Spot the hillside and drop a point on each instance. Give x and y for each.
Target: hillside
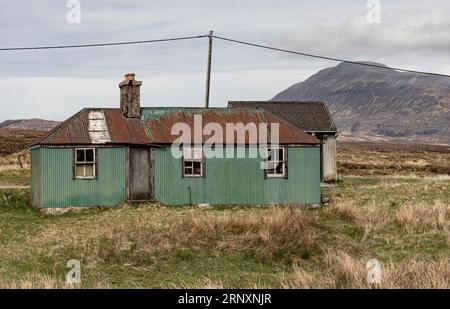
(380, 103)
(29, 124)
(14, 140)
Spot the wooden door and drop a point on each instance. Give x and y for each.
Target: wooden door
(139, 174)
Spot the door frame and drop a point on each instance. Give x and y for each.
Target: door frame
(151, 172)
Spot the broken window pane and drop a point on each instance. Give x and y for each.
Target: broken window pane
(197, 168)
(85, 162)
(280, 154)
(280, 168)
(89, 155)
(275, 165)
(193, 168)
(80, 155)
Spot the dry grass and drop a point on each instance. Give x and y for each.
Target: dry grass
(12, 161)
(34, 281)
(424, 216)
(299, 279)
(347, 210)
(205, 283)
(372, 217)
(402, 219)
(280, 230)
(146, 240)
(346, 271)
(271, 233)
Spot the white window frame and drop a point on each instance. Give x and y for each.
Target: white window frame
(283, 162)
(191, 159)
(94, 162)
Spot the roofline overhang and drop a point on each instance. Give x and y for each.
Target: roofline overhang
(313, 131)
(95, 145)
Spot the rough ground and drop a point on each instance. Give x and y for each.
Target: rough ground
(369, 159)
(14, 140)
(400, 217)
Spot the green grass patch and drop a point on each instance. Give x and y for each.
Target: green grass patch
(15, 177)
(225, 246)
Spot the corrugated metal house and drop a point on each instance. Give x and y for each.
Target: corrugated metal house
(103, 157)
(311, 116)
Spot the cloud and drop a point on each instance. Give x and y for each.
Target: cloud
(54, 84)
(402, 33)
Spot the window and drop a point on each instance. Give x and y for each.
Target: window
(276, 162)
(85, 163)
(193, 162)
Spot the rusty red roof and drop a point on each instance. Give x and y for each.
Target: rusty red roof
(124, 130)
(72, 131)
(158, 129)
(311, 116)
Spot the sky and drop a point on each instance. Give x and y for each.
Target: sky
(54, 84)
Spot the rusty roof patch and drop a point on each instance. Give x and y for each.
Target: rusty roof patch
(124, 130)
(310, 116)
(158, 130)
(74, 130)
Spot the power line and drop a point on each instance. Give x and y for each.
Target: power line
(328, 58)
(103, 44)
(224, 39)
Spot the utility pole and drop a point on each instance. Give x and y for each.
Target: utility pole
(208, 69)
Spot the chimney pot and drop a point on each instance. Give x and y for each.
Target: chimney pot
(130, 76)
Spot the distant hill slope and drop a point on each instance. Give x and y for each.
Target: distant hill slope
(29, 124)
(14, 140)
(381, 103)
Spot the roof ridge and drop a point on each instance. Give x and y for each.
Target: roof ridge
(61, 126)
(290, 125)
(307, 115)
(278, 102)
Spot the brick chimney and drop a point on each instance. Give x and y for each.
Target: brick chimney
(130, 96)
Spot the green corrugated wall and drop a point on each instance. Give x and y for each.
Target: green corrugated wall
(52, 179)
(36, 173)
(239, 180)
(227, 181)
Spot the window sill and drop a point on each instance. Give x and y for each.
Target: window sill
(276, 177)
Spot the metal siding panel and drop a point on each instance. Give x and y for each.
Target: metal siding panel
(36, 177)
(239, 180)
(59, 189)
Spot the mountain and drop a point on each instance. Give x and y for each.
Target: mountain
(379, 102)
(29, 124)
